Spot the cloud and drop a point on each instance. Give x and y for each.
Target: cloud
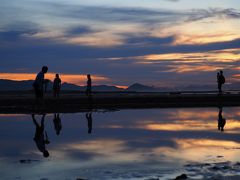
(199, 14)
(79, 30)
(107, 41)
(90, 25)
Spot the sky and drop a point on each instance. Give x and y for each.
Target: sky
(164, 43)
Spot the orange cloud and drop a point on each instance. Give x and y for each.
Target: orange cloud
(183, 68)
(208, 30)
(229, 55)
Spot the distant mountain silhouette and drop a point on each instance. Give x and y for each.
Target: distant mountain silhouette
(140, 88)
(106, 88)
(10, 85)
(69, 86)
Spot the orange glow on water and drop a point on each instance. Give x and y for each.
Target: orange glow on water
(231, 126)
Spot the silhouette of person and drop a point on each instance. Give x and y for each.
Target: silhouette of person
(57, 123)
(220, 81)
(39, 137)
(46, 82)
(89, 121)
(221, 120)
(56, 86)
(39, 83)
(89, 86)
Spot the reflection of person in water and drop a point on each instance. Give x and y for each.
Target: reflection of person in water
(57, 123)
(221, 120)
(39, 137)
(89, 120)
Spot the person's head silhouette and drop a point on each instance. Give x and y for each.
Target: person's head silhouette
(44, 69)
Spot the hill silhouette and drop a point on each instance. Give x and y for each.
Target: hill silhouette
(140, 87)
(11, 85)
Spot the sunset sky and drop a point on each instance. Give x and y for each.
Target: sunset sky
(120, 42)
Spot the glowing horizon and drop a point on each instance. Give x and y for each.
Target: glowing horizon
(78, 79)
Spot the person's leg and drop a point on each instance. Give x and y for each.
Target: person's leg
(219, 88)
(58, 91)
(34, 120)
(90, 93)
(42, 121)
(87, 91)
(36, 92)
(41, 93)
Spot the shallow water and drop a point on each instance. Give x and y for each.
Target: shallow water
(126, 144)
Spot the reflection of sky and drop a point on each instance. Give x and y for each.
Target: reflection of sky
(122, 141)
(78, 37)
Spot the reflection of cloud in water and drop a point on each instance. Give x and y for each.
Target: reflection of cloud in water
(102, 152)
(129, 140)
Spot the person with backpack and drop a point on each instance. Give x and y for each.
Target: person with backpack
(220, 81)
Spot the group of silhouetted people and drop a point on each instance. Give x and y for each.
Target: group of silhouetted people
(40, 81)
(39, 84)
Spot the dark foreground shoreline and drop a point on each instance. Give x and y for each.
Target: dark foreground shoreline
(72, 102)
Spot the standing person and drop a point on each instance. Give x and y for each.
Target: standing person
(56, 86)
(89, 86)
(220, 81)
(39, 83)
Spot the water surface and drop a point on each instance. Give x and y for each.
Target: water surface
(126, 144)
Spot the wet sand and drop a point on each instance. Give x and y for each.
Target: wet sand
(73, 101)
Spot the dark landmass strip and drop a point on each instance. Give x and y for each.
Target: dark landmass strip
(76, 101)
(11, 85)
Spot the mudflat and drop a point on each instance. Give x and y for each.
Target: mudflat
(75, 101)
